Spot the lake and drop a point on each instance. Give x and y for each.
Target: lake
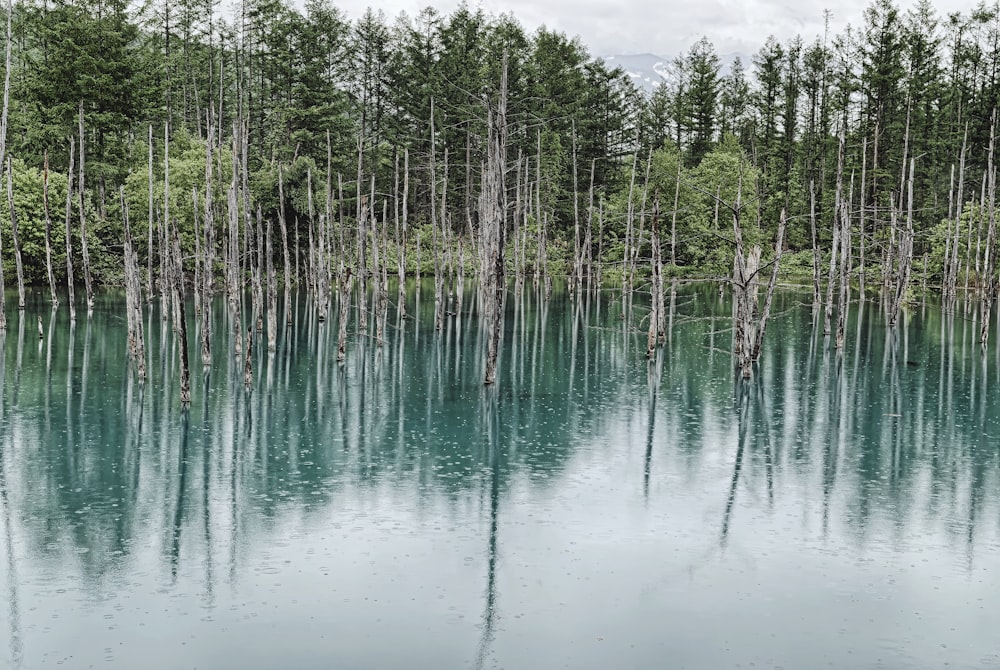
(592, 510)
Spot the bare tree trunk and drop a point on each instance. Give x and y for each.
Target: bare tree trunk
(637, 237)
(905, 255)
(133, 295)
(495, 222)
(817, 272)
(83, 225)
(402, 245)
(838, 204)
(287, 280)
(272, 294)
(577, 260)
(766, 311)
(845, 252)
(586, 250)
(149, 239)
(381, 300)
(989, 290)
(862, 228)
(953, 265)
(3, 143)
(178, 275)
(48, 229)
(248, 360)
(69, 234)
(673, 217)
(345, 303)
(656, 284)
(629, 235)
(6, 86)
(19, 265)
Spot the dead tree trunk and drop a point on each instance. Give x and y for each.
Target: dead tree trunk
(88, 281)
(401, 236)
(656, 283)
(133, 295)
(149, 239)
(48, 230)
(15, 241)
(905, 255)
(345, 304)
(287, 280)
(766, 311)
(838, 202)
(989, 285)
(862, 228)
(629, 234)
(69, 234)
(272, 295)
(3, 143)
(817, 272)
(953, 264)
(845, 244)
(495, 222)
(577, 259)
(178, 280)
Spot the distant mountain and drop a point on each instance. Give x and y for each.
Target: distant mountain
(646, 70)
(649, 70)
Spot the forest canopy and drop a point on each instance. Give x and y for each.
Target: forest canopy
(336, 103)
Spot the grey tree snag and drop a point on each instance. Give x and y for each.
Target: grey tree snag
(766, 311)
(149, 239)
(15, 241)
(48, 230)
(69, 234)
(272, 295)
(494, 223)
(181, 330)
(989, 264)
(133, 295)
(88, 281)
(3, 143)
(656, 282)
(284, 246)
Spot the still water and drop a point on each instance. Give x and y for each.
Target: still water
(592, 511)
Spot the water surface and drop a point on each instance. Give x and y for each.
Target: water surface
(594, 510)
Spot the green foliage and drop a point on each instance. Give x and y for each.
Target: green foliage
(29, 204)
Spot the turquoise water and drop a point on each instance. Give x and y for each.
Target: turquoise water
(594, 510)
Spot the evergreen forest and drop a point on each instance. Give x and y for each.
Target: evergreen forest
(265, 141)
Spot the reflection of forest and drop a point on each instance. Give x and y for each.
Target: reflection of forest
(890, 436)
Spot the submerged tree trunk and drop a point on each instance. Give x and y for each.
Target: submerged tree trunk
(284, 248)
(905, 251)
(149, 239)
(3, 144)
(766, 311)
(19, 265)
(69, 234)
(48, 230)
(817, 271)
(494, 224)
(88, 282)
(989, 266)
(272, 295)
(133, 295)
(178, 281)
(656, 282)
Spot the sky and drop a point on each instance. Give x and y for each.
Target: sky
(665, 27)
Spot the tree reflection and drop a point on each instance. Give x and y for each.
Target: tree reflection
(894, 427)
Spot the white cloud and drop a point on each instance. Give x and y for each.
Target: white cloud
(667, 27)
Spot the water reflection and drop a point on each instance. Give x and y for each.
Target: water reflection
(335, 502)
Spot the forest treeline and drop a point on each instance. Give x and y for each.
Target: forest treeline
(877, 139)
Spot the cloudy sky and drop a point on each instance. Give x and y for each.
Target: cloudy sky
(665, 27)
